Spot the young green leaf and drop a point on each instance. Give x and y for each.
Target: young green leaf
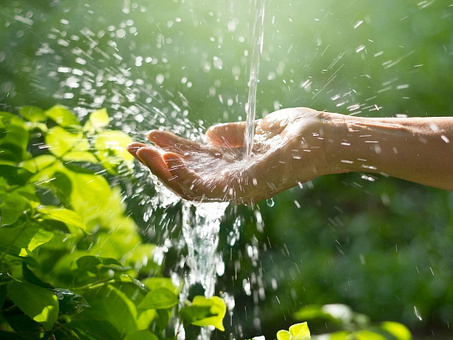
(39, 163)
(38, 303)
(69, 146)
(14, 137)
(298, 331)
(33, 114)
(157, 282)
(161, 298)
(41, 237)
(95, 263)
(283, 335)
(205, 312)
(62, 116)
(98, 119)
(110, 148)
(110, 304)
(12, 207)
(396, 329)
(69, 217)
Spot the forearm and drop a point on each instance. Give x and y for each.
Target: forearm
(415, 149)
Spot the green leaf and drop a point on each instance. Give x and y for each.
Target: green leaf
(61, 185)
(33, 114)
(69, 146)
(111, 149)
(94, 328)
(338, 313)
(74, 167)
(12, 207)
(97, 120)
(69, 217)
(13, 137)
(30, 277)
(93, 264)
(300, 331)
(39, 163)
(70, 303)
(283, 335)
(396, 329)
(367, 335)
(161, 298)
(141, 335)
(85, 194)
(146, 317)
(62, 116)
(40, 238)
(110, 304)
(38, 303)
(205, 312)
(13, 239)
(14, 174)
(163, 318)
(157, 282)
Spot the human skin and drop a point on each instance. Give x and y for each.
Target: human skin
(296, 145)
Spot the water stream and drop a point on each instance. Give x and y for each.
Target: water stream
(257, 48)
(201, 222)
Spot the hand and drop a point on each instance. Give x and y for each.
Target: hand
(288, 148)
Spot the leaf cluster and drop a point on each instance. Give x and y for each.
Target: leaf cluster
(346, 324)
(72, 263)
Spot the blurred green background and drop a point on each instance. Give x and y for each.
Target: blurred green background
(381, 245)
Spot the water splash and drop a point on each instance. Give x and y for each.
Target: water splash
(257, 48)
(201, 226)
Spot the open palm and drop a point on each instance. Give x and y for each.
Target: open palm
(287, 150)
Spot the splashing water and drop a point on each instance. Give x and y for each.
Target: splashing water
(257, 48)
(201, 226)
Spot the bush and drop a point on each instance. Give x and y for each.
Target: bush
(72, 263)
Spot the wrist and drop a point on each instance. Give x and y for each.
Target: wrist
(337, 145)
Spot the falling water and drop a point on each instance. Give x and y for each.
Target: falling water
(257, 48)
(201, 226)
(201, 222)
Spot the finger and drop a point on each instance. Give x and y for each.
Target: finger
(227, 135)
(179, 170)
(171, 142)
(154, 161)
(190, 183)
(133, 148)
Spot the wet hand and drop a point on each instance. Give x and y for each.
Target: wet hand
(288, 148)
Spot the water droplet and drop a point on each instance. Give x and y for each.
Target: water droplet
(270, 202)
(417, 314)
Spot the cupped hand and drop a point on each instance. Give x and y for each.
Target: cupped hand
(288, 148)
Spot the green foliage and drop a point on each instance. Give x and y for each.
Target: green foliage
(298, 331)
(350, 325)
(205, 312)
(72, 263)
